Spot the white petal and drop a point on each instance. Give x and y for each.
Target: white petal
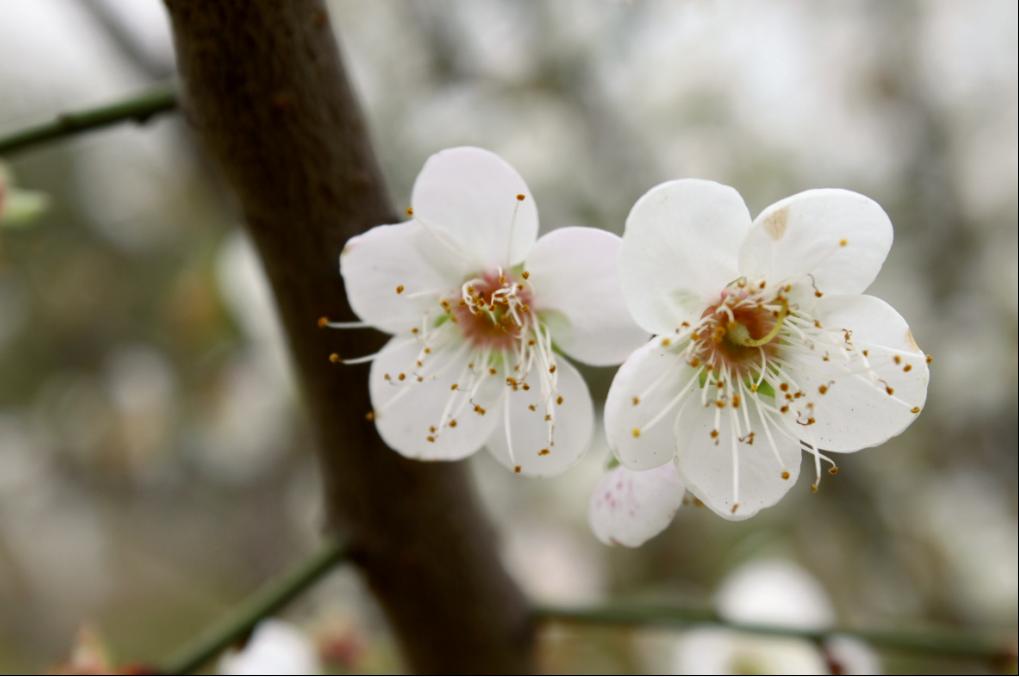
(630, 506)
(525, 432)
(856, 410)
(387, 270)
(409, 411)
(854, 656)
(679, 251)
(838, 237)
(706, 463)
(649, 380)
(479, 203)
(275, 648)
(576, 289)
(774, 591)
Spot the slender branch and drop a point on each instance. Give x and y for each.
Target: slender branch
(266, 601)
(138, 109)
(940, 643)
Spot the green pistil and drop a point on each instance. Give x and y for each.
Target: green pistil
(739, 335)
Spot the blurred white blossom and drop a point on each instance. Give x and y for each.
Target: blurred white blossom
(770, 592)
(275, 648)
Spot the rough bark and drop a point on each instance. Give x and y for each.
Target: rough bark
(265, 88)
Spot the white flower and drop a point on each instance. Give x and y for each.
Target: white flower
(765, 344)
(18, 207)
(275, 648)
(478, 310)
(771, 592)
(630, 506)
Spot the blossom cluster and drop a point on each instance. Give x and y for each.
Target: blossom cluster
(744, 342)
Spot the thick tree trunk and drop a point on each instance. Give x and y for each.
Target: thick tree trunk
(265, 88)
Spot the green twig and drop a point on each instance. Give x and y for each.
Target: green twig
(139, 109)
(263, 603)
(940, 643)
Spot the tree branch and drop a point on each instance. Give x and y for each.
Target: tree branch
(138, 109)
(267, 601)
(940, 643)
(265, 89)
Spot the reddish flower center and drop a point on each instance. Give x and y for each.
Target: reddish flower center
(735, 330)
(493, 311)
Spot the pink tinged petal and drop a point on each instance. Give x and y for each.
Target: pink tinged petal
(866, 399)
(679, 251)
(643, 402)
(395, 274)
(734, 473)
(628, 507)
(576, 290)
(522, 442)
(836, 237)
(479, 204)
(427, 412)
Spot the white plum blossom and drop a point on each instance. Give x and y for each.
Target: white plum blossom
(772, 592)
(18, 207)
(628, 507)
(765, 345)
(479, 309)
(275, 648)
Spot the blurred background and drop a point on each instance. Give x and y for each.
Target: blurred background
(155, 467)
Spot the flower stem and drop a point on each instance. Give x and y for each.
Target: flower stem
(264, 602)
(940, 643)
(138, 109)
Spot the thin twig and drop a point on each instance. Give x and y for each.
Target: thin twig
(138, 109)
(941, 643)
(266, 601)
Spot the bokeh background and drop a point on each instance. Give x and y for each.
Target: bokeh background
(154, 462)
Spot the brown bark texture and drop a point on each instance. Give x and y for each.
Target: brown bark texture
(265, 89)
